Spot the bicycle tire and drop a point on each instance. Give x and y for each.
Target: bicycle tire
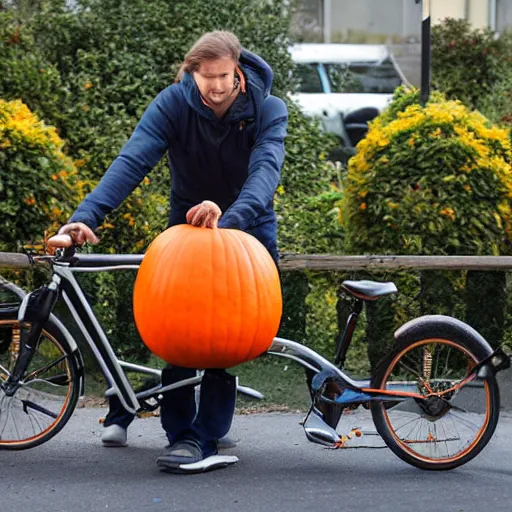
(53, 341)
(472, 348)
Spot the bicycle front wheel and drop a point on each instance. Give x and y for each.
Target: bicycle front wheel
(48, 392)
(457, 420)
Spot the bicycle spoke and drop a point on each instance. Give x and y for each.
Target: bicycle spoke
(453, 413)
(36, 409)
(45, 368)
(32, 405)
(7, 372)
(467, 422)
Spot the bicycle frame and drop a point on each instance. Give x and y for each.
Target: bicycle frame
(349, 391)
(112, 367)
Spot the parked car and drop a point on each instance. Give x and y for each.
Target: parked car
(345, 85)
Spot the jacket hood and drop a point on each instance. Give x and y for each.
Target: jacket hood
(258, 77)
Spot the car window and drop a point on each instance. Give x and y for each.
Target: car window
(308, 78)
(364, 77)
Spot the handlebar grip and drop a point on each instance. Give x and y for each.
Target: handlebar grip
(60, 241)
(14, 260)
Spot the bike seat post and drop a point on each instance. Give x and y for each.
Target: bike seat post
(348, 331)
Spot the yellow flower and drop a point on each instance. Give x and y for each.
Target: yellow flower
(280, 190)
(331, 298)
(88, 85)
(448, 212)
(392, 205)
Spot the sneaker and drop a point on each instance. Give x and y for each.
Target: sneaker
(178, 454)
(227, 442)
(186, 457)
(114, 436)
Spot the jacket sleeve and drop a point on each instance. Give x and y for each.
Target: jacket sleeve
(265, 164)
(145, 148)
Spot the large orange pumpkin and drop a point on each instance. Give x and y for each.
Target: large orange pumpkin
(207, 298)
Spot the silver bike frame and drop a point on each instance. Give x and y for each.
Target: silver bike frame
(97, 340)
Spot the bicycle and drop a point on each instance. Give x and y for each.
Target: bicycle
(434, 399)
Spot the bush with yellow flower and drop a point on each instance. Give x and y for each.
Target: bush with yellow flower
(38, 183)
(431, 180)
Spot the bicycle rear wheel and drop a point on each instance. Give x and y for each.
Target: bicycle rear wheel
(48, 392)
(455, 423)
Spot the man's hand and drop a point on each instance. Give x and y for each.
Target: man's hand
(206, 214)
(73, 233)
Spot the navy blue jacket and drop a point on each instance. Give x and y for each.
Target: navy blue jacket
(234, 161)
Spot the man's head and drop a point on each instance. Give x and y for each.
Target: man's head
(212, 61)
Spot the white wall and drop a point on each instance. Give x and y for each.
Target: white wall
(402, 18)
(384, 17)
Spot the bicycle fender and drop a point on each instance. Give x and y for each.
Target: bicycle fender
(432, 326)
(73, 349)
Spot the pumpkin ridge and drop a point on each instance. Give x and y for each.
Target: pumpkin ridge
(246, 265)
(239, 297)
(188, 234)
(254, 282)
(266, 275)
(212, 310)
(169, 277)
(225, 328)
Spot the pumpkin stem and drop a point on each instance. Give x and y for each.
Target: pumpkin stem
(205, 214)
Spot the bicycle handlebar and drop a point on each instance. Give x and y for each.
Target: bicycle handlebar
(15, 260)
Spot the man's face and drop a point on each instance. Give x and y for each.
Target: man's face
(215, 80)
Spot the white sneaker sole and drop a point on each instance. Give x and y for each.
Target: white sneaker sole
(208, 464)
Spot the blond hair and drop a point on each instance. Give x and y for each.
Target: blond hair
(210, 46)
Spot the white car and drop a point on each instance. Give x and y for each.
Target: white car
(345, 84)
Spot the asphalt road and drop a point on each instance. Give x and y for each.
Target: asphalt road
(278, 470)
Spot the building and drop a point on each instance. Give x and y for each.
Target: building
(381, 21)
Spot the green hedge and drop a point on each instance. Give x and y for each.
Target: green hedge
(91, 71)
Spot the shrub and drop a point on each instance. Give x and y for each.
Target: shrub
(25, 73)
(110, 58)
(38, 182)
(433, 180)
(305, 201)
(466, 62)
(430, 180)
(497, 104)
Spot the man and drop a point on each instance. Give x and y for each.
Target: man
(224, 134)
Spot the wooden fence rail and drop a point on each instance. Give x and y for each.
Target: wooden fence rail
(331, 262)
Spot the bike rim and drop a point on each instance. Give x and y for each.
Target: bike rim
(40, 403)
(438, 438)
